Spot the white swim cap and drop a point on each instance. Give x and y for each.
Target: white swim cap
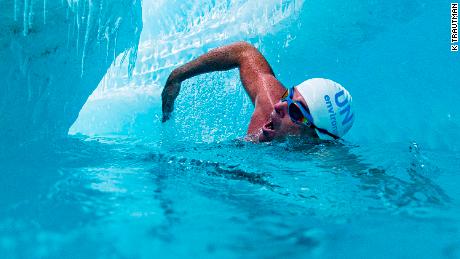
(329, 104)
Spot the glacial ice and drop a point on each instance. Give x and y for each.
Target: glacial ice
(395, 61)
(54, 53)
(174, 33)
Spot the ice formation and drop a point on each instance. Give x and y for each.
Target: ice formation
(393, 70)
(174, 33)
(54, 54)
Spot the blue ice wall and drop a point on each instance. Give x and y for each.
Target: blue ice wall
(53, 55)
(176, 32)
(394, 58)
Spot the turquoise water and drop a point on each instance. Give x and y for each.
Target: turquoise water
(120, 197)
(123, 185)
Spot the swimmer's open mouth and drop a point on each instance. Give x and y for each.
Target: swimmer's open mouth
(268, 129)
(269, 125)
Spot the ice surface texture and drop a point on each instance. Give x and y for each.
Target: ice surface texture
(394, 59)
(53, 55)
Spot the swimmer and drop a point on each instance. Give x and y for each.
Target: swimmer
(317, 108)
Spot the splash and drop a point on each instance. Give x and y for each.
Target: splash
(174, 33)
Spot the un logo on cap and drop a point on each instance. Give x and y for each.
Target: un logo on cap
(342, 101)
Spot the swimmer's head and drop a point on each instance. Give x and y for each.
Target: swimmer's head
(317, 108)
(330, 106)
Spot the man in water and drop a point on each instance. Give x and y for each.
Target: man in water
(317, 108)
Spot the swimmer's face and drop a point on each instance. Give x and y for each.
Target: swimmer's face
(280, 125)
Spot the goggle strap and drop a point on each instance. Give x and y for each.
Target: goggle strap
(323, 131)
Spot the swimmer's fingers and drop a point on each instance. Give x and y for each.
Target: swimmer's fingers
(167, 106)
(165, 117)
(168, 96)
(166, 109)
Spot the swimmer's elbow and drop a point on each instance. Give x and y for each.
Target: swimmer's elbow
(244, 45)
(250, 58)
(246, 49)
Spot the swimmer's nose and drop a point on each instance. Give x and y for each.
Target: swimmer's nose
(281, 108)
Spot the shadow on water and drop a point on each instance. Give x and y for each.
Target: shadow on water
(218, 169)
(78, 185)
(405, 187)
(163, 231)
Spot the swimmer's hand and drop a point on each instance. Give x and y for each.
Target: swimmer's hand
(168, 96)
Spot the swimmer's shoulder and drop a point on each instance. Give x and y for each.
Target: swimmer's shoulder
(270, 89)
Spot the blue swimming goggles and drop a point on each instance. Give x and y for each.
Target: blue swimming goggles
(300, 114)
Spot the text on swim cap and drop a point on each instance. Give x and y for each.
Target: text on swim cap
(331, 111)
(344, 108)
(345, 105)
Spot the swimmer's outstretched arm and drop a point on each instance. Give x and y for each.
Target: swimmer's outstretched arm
(242, 55)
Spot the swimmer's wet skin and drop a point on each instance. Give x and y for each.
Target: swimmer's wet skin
(317, 108)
